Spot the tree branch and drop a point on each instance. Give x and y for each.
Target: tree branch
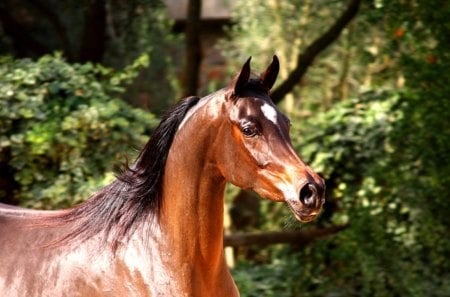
(291, 237)
(306, 58)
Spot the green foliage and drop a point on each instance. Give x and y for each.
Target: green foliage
(61, 128)
(386, 251)
(144, 27)
(346, 142)
(281, 27)
(270, 280)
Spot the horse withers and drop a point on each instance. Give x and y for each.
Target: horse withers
(157, 230)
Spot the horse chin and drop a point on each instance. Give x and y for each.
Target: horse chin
(304, 216)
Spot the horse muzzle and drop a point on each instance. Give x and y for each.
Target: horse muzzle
(310, 201)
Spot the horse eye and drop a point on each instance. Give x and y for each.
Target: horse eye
(249, 131)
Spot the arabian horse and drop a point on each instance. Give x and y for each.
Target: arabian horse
(157, 229)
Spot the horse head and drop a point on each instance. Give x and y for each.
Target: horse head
(257, 153)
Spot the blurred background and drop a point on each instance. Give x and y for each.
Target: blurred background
(365, 83)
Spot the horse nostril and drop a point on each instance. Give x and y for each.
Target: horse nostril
(308, 195)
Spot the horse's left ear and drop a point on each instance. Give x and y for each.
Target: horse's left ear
(269, 76)
(242, 78)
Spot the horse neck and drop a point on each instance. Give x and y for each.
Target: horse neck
(192, 210)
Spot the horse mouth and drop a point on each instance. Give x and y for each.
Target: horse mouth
(304, 216)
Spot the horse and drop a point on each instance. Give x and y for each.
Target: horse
(157, 229)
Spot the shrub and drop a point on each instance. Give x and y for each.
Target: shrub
(62, 128)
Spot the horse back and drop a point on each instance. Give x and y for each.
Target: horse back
(30, 265)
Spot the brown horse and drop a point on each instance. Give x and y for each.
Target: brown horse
(157, 230)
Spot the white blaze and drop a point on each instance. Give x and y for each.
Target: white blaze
(269, 112)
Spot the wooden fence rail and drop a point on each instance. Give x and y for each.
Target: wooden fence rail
(290, 237)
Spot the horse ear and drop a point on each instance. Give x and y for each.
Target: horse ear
(269, 76)
(242, 78)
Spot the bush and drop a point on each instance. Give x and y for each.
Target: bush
(62, 128)
(389, 185)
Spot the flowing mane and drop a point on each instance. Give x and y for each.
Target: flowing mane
(134, 195)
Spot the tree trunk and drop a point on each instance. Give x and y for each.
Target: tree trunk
(52, 17)
(93, 36)
(193, 48)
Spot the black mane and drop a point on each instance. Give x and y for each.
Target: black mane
(135, 194)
